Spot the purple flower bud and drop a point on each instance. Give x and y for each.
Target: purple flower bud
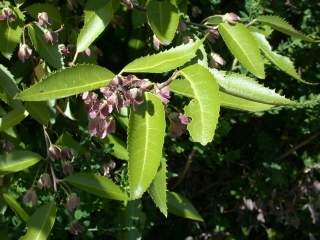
(89, 98)
(65, 51)
(87, 52)
(101, 127)
(156, 43)
(231, 18)
(195, 11)
(43, 19)
(76, 228)
(182, 26)
(7, 14)
(163, 93)
(67, 168)
(128, 3)
(216, 60)
(54, 153)
(178, 123)
(30, 197)
(51, 37)
(213, 35)
(66, 154)
(135, 96)
(6, 145)
(73, 201)
(24, 52)
(44, 181)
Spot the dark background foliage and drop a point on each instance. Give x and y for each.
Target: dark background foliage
(258, 179)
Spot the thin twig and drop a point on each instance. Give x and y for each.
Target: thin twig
(300, 145)
(167, 82)
(186, 168)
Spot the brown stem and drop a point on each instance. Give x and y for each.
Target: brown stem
(186, 168)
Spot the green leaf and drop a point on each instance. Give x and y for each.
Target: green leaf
(165, 61)
(213, 20)
(237, 103)
(40, 111)
(17, 161)
(248, 88)
(41, 222)
(158, 188)
(97, 185)
(67, 82)
(97, 16)
(13, 118)
(282, 62)
(205, 105)
(50, 53)
(145, 142)
(9, 86)
(15, 206)
(10, 34)
(283, 26)
(182, 207)
(119, 147)
(243, 46)
(163, 18)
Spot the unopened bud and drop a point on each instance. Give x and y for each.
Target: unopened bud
(51, 37)
(108, 168)
(216, 60)
(73, 201)
(213, 35)
(66, 154)
(128, 3)
(7, 14)
(44, 181)
(231, 18)
(54, 153)
(156, 43)
(43, 19)
(24, 52)
(88, 52)
(30, 197)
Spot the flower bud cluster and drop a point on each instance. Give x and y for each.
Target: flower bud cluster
(49, 36)
(121, 92)
(7, 15)
(55, 153)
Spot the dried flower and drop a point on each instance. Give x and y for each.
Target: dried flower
(76, 228)
(108, 168)
(6, 145)
(51, 37)
(67, 168)
(66, 154)
(178, 123)
(43, 19)
(30, 197)
(44, 181)
(54, 152)
(216, 60)
(231, 18)
(24, 52)
(73, 201)
(7, 14)
(163, 93)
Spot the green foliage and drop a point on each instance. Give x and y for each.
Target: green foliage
(145, 141)
(15, 206)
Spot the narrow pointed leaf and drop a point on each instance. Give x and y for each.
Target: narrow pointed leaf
(119, 147)
(282, 62)
(182, 207)
(15, 206)
(165, 61)
(17, 161)
(145, 142)
(204, 108)
(97, 185)
(237, 103)
(50, 53)
(248, 88)
(163, 18)
(243, 46)
(13, 118)
(41, 222)
(9, 86)
(283, 26)
(97, 16)
(158, 188)
(67, 82)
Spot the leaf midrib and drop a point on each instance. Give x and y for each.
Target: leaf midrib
(44, 222)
